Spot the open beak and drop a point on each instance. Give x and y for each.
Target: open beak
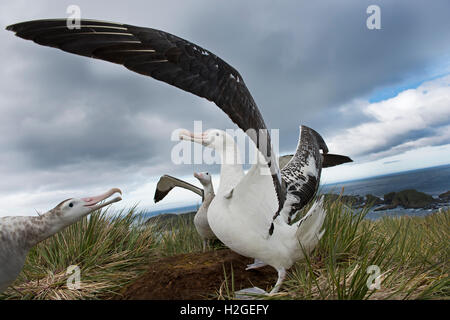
(93, 202)
(189, 136)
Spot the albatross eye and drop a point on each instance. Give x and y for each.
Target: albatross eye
(217, 134)
(71, 204)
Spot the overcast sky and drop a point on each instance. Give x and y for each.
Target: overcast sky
(72, 126)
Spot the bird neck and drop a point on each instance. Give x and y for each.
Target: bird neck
(208, 190)
(231, 171)
(48, 225)
(42, 228)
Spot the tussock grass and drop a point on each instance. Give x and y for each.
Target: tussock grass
(113, 249)
(412, 255)
(178, 236)
(226, 289)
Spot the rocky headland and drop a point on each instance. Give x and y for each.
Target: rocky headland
(407, 199)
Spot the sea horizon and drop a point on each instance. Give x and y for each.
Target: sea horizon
(435, 181)
(387, 174)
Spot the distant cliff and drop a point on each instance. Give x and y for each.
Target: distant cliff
(408, 199)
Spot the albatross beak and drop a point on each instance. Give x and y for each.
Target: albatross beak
(189, 136)
(92, 202)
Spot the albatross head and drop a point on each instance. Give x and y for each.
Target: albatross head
(203, 177)
(71, 210)
(212, 138)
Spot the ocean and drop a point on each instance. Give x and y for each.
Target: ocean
(433, 181)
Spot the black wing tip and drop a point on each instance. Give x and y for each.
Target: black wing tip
(331, 160)
(158, 196)
(14, 27)
(344, 159)
(17, 26)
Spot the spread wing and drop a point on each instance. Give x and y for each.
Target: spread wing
(167, 183)
(165, 57)
(302, 173)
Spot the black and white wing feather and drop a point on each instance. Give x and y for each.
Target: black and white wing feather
(166, 183)
(302, 173)
(328, 160)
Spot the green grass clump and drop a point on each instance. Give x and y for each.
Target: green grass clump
(178, 236)
(412, 255)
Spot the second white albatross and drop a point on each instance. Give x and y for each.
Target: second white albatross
(166, 183)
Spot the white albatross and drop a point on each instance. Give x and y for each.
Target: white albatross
(201, 217)
(19, 234)
(166, 183)
(242, 211)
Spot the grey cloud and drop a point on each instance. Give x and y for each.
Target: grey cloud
(399, 139)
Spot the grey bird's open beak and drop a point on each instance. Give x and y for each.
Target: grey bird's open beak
(93, 202)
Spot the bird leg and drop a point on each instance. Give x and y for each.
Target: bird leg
(281, 276)
(205, 244)
(252, 293)
(255, 265)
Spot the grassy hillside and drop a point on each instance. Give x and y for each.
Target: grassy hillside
(412, 255)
